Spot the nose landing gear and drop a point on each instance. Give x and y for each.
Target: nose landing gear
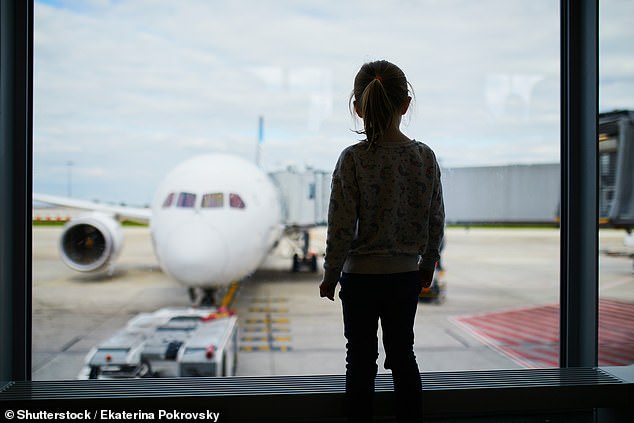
(202, 296)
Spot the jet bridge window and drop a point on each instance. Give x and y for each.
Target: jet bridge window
(235, 201)
(168, 200)
(186, 200)
(213, 201)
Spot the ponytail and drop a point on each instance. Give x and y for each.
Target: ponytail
(380, 88)
(377, 110)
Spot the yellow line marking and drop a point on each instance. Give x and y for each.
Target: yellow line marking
(266, 348)
(268, 310)
(264, 321)
(254, 338)
(263, 330)
(265, 339)
(269, 300)
(260, 335)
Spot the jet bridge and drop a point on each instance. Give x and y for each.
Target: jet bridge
(616, 169)
(305, 195)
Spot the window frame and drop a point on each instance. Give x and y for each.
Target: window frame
(579, 233)
(16, 146)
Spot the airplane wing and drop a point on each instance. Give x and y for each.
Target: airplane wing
(121, 213)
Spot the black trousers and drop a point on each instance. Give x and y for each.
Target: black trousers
(392, 299)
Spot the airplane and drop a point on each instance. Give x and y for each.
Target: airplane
(213, 220)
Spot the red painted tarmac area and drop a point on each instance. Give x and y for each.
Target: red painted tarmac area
(530, 336)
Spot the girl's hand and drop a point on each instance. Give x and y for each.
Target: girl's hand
(426, 277)
(327, 289)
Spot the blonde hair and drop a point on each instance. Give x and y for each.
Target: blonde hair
(380, 88)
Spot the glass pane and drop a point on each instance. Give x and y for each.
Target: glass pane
(186, 200)
(124, 93)
(616, 184)
(168, 200)
(215, 200)
(235, 201)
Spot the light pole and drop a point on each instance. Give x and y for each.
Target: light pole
(70, 178)
(260, 139)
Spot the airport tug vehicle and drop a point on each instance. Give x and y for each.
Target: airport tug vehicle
(170, 342)
(438, 290)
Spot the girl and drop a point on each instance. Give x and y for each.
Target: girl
(385, 226)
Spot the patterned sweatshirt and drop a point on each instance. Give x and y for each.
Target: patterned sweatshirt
(386, 212)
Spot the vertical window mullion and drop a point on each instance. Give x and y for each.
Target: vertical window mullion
(16, 141)
(579, 179)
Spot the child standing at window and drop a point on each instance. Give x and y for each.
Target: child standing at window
(385, 226)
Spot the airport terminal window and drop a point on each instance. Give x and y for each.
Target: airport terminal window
(186, 200)
(484, 96)
(215, 200)
(235, 201)
(486, 102)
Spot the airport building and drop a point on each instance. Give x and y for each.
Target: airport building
(511, 194)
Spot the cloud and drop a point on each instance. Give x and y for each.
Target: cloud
(118, 83)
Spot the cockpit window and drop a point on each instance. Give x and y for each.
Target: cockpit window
(186, 200)
(168, 200)
(235, 201)
(214, 200)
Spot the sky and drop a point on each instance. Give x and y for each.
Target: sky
(124, 90)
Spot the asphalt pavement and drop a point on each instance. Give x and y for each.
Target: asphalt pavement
(285, 327)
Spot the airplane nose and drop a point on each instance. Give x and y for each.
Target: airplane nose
(195, 254)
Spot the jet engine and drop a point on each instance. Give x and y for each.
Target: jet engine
(91, 242)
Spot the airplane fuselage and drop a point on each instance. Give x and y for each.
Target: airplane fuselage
(214, 219)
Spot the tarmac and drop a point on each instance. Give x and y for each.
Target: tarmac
(285, 328)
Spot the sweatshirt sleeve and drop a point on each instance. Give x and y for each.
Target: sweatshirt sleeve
(436, 228)
(342, 216)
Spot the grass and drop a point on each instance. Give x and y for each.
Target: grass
(44, 223)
